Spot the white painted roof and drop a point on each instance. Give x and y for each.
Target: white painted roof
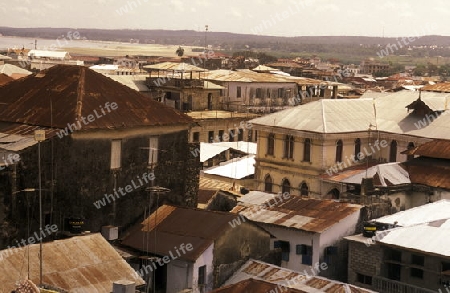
(10, 69)
(104, 67)
(48, 54)
(135, 81)
(389, 174)
(243, 146)
(431, 238)
(387, 113)
(237, 168)
(419, 215)
(210, 150)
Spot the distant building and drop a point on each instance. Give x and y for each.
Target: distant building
(372, 67)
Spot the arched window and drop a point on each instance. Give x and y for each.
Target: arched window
(304, 190)
(411, 146)
(307, 150)
(357, 148)
(334, 193)
(393, 151)
(289, 147)
(270, 144)
(285, 186)
(339, 148)
(268, 183)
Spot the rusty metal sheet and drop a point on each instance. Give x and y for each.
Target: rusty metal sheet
(78, 264)
(73, 92)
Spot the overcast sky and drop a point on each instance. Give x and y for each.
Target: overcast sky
(263, 17)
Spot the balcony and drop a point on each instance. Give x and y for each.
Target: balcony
(384, 285)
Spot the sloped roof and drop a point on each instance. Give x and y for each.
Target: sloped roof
(258, 270)
(135, 82)
(4, 79)
(242, 146)
(429, 171)
(387, 113)
(209, 150)
(177, 225)
(263, 68)
(438, 148)
(243, 76)
(443, 87)
(78, 264)
(76, 92)
(307, 214)
(386, 175)
(48, 54)
(427, 238)
(10, 69)
(419, 215)
(174, 66)
(237, 168)
(253, 285)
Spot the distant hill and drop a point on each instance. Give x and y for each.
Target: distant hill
(196, 38)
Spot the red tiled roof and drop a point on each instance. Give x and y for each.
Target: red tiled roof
(75, 92)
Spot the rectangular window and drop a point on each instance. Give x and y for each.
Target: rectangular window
(210, 136)
(306, 252)
(153, 150)
(417, 260)
(202, 275)
(196, 136)
(394, 255)
(116, 154)
(416, 273)
(285, 249)
(250, 135)
(241, 134)
(259, 93)
(281, 92)
(221, 135)
(238, 92)
(363, 279)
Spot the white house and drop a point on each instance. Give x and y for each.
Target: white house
(308, 231)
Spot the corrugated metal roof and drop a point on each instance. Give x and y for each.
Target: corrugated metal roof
(387, 175)
(253, 286)
(296, 212)
(242, 146)
(10, 69)
(387, 113)
(419, 215)
(429, 171)
(78, 264)
(429, 238)
(48, 54)
(438, 148)
(4, 79)
(254, 269)
(214, 184)
(263, 68)
(174, 66)
(237, 168)
(244, 76)
(136, 82)
(209, 150)
(177, 225)
(443, 87)
(75, 92)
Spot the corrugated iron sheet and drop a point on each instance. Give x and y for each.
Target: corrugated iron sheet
(438, 148)
(258, 270)
(174, 66)
(4, 79)
(306, 214)
(177, 225)
(79, 264)
(429, 171)
(252, 285)
(73, 92)
(443, 87)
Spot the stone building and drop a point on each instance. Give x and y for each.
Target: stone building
(103, 144)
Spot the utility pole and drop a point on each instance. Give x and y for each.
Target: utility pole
(39, 135)
(205, 52)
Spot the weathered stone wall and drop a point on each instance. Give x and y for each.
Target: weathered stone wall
(82, 176)
(364, 260)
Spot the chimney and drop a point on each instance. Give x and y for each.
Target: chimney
(124, 286)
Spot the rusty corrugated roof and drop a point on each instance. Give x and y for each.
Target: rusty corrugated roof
(177, 225)
(432, 172)
(296, 212)
(438, 148)
(252, 285)
(4, 79)
(78, 264)
(443, 87)
(285, 278)
(74, 92)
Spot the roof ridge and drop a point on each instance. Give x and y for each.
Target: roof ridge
(80, 93)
